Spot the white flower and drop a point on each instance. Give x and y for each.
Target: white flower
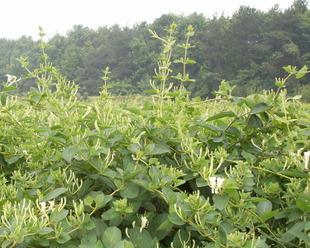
(46, 207)
(42, 206)
(51, 205)
(306, 158)
(216, 183)
(144, 223)
(10, 78)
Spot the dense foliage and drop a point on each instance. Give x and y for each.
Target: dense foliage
(249, 48)
(165, 171)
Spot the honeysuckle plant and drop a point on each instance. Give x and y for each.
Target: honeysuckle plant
(307, 158)
(165, 172)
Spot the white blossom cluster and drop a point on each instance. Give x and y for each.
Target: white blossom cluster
(216, 184)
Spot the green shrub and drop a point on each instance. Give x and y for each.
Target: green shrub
(168, 172)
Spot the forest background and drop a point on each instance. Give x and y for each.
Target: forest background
(248, 49)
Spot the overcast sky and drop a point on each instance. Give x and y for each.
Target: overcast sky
(22, 17)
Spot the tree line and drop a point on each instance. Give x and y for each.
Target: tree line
(247, 49)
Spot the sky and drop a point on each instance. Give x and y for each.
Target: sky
(22, 17)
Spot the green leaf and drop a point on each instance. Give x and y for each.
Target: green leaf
(181, 237)
(6, 243)
(289, 69)
(302, 72)
(175, 219)
(100, 226)
(280, 83)
(255, 122)
(268, 215)
(234, 132)
(89, 224)
(300, 75)
(261, 243)
(11, 159)
(53, 194)
(190, 61)
(102, 200)
(160, 226)
(296, 231)
(134, 148)
(131, 191)
(90, 241)
(260, 108)
(45, 230)
(98, 197)
(124, 244)
(295, 173)
(170, 195)
(200, 182)
(57, 216)
(157, 149)
(134, 110)
(110, 214)
(64, 237)
(111, 236)
(220, 201)
(141, 239)
(221, 115)
(8, 88)
(224, 229)
(211, 127)
(263, 207)
(219, 139)
(303, 203)
(3, 98)
(151, 91)
(68, 153)
(250, 158)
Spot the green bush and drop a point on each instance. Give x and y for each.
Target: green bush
(167, 172)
